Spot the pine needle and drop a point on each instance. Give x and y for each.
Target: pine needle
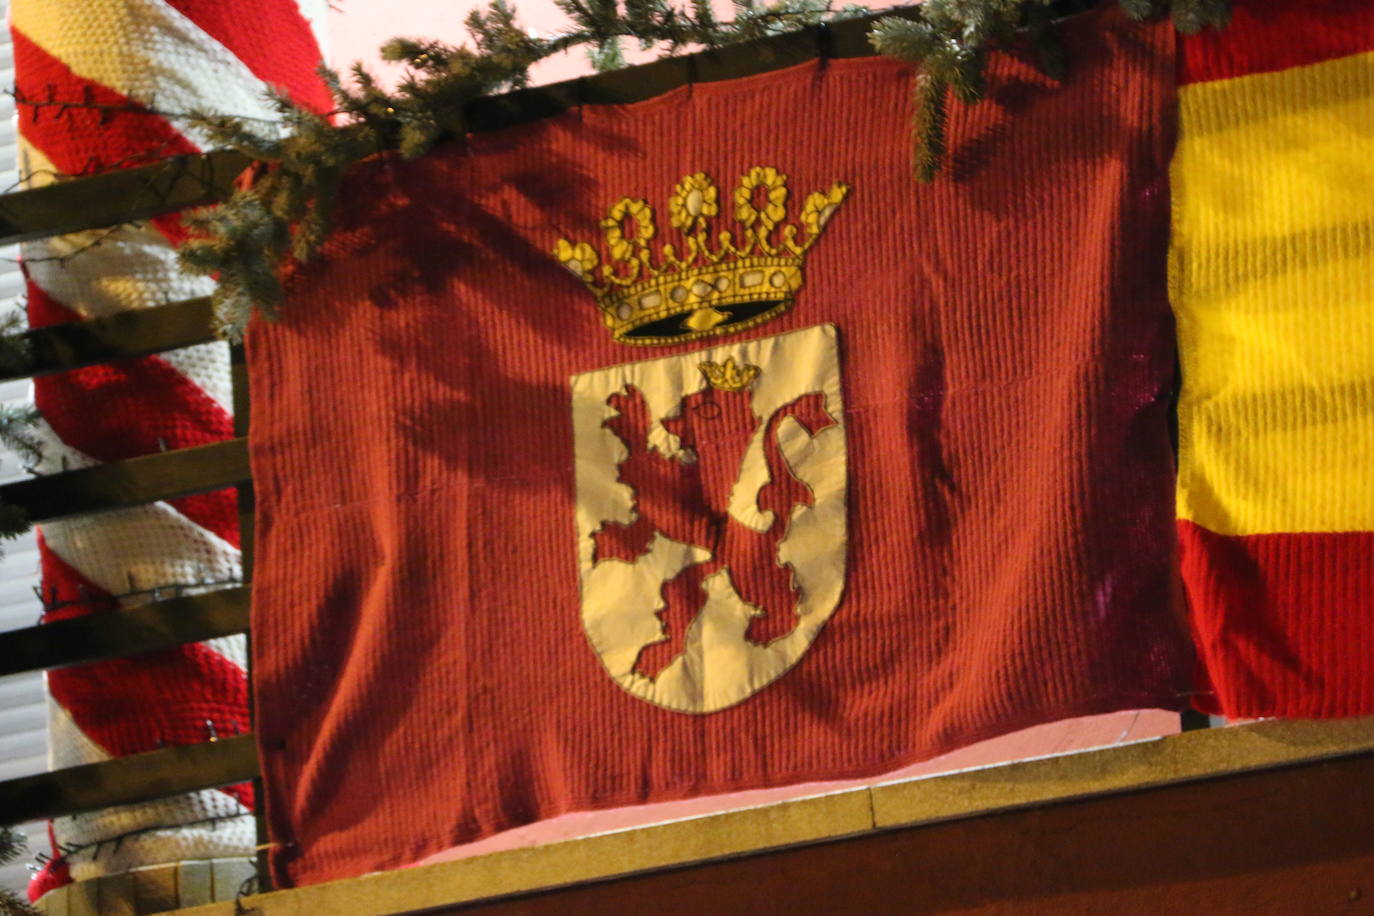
(287, 211)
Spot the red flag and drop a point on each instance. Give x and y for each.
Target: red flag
(555, 517)
(1272, 263)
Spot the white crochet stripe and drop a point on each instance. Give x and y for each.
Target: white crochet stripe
(227, 839)
(57, 456)
(207, 366)
(77, 749)
(153, 545)
(61, 538)
(103, 271)
(69, 746)
(35, 168)
(148, 51)
(141, 548)
(133, 267)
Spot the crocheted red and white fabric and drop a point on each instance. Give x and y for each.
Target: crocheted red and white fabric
(105, 84)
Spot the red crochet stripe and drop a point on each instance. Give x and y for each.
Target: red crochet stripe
(134, 407)
(275, 42)
(135, 705)
(1283, 622)
(53, 874)
(1269, 35)
(82, 140)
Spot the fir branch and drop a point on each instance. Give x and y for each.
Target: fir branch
(949, 40)
(1049, 52)
(16, 354)
(18, 424)
(1189, 16)
(1192, 16)
(14, 522)
(1142, 9)
(12, 846)
(287, 210)
(17, 433)
(931, 99)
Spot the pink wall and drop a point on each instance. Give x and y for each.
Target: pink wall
(357, 28)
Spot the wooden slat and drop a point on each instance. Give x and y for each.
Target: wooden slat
(102, 200)
(128, 780)
(128, 334)
(1292, 841)
(187, 181)
(121, 633)
(636, 84)
(917, 807)
(118, 197)
(133, 482)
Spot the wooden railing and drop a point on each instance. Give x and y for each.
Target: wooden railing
(72, 206)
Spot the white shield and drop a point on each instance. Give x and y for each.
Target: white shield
(727, 467)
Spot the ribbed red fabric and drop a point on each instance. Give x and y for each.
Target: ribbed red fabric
(422, 677)
(1268, 35)
(1282, 614)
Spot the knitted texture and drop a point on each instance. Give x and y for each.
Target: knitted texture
(460, 474)
(1273, 287)
(149, 63)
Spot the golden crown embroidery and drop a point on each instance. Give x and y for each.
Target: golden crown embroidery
(711, 285)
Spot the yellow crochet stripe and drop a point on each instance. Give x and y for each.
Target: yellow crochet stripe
(1272, 281)
(146, 50)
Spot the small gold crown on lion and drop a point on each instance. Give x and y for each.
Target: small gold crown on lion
(718, 284)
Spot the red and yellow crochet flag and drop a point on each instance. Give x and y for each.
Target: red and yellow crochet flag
(1273, 276)
(676, 448)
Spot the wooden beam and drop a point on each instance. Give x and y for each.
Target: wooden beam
(121, 633)
(128, 780)
(180, 182)
(134, 482)
(1297, 840)
(847, 38)
(139, 332)
(188, 181)
(1216, 756)
(122, 196)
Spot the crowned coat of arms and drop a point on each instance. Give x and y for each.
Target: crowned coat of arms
(710, 513)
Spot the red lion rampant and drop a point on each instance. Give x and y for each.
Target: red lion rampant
(688, 500)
